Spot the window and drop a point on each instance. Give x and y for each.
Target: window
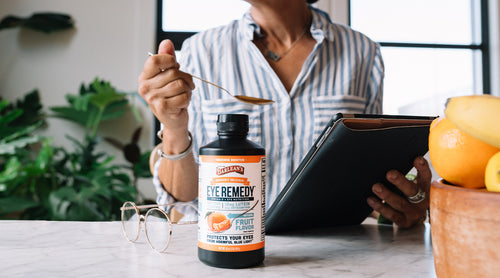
(432, 50)
(177, 26)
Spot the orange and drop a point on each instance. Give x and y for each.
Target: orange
(456, 156)
(218, 222)
(222, 226)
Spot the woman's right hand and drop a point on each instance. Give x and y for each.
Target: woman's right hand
(166, 89)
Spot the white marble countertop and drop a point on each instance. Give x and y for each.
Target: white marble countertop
(99, 249)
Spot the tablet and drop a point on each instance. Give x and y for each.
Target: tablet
(331, 184)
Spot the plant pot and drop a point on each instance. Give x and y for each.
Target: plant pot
(465, 230)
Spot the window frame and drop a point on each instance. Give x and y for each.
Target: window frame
(483, 46)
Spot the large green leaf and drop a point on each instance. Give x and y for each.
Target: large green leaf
(32, 109)
(105, 94)
(11, 170)
(13, 204)
(10, 116)
(80, 102)
(12, 133)
(10, 147)
(71, 114)
(96, 103)
(44, 157)
(115, 110)
(61, 200)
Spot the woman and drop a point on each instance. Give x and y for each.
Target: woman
(284, 50)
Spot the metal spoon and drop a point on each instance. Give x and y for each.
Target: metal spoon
(241, 98)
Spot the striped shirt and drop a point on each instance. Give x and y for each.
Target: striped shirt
(343, 73)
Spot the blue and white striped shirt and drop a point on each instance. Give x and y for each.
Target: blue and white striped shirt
(343, 73)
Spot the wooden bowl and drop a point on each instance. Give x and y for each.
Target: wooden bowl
(465, 230)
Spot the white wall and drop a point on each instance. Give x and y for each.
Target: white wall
(110, 41)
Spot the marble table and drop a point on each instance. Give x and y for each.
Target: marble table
(99, 249)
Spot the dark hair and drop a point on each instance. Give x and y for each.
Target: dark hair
(312, 1)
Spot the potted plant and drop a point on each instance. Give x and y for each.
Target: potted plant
(51, 182)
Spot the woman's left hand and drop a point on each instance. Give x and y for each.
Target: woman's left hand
(401, 210)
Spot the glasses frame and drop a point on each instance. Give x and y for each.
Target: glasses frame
(142, 219)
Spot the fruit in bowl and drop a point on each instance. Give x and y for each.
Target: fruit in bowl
(464, 148)
(456, 156)
(492, 173)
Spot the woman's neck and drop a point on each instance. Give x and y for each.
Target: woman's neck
(281, 22)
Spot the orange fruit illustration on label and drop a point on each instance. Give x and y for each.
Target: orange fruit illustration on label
(217, 222)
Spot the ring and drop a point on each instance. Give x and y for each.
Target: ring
(417, 198)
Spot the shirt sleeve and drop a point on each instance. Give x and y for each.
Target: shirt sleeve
(163, 197)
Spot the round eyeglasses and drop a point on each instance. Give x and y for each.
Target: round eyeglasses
(157, 222)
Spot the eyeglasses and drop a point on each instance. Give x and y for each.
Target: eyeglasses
(157, 222)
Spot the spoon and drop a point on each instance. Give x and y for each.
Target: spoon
(241, 98)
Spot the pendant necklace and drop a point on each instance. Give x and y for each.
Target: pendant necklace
(275, 56)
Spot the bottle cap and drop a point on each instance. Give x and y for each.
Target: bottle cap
(232, 124)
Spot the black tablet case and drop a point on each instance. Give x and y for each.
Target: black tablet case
(333, 181)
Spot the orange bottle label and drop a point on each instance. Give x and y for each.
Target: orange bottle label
(231, 203)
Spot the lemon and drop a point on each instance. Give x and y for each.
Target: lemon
(492, 173)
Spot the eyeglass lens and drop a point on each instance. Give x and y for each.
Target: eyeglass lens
(158, 229)
(130, 221)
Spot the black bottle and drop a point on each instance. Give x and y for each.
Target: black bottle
(231, 195)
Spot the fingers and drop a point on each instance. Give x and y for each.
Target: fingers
(170, 106)
(166, 47)
(157, 64)
(173, 82)
(410, 188)
(163, 86)
(400, 181)
(424, 174)
(163, 61)
(396, 208)
(390, 198)
(387, 211)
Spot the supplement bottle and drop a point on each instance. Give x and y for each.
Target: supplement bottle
(231, 197)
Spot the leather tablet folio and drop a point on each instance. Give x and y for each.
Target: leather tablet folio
(333, 181)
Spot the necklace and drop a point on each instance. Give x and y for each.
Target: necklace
(275, 56)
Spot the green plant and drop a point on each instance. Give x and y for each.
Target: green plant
(59, 184)
(139, 162)
(17, 161)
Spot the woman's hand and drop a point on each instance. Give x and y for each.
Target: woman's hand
(166, 89)
(399, 209)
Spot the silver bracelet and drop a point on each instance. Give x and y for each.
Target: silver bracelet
(180, 155)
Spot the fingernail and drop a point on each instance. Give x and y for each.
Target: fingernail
(392, 175)
(377, 188)
(370, 201)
